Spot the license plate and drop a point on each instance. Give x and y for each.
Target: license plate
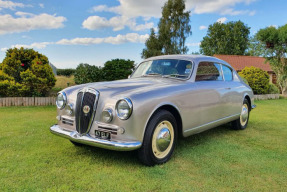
(102, 134)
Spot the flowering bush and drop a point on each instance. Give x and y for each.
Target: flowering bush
(25, 72)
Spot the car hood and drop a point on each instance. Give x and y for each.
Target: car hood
(128, 87)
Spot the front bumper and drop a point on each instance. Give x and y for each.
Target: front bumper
(88, 140)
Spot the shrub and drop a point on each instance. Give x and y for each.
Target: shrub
(26, 72)
(257, 79)
(244, 80)
(116, 69)
(11, 89)
(273, 89)
(86, 73)
(66, 72)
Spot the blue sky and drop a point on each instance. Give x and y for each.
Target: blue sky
(70, 32)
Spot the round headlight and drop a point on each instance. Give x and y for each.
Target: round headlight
(107, 115)
(61, 100)
(124, 108)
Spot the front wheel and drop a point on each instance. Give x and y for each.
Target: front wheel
(159, 140)
(242, 122)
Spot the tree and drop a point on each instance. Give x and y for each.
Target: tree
(26, 72)
(153, 46)
(86, 73)
(275, 40)
(116, 69)
(173, 27)
(255, 47)
(229, 39)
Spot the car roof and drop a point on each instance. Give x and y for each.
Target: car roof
(194, 58)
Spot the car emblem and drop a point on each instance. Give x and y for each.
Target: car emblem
(86, 109)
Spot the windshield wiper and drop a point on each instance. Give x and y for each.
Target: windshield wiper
(151, 74)
(175, 75)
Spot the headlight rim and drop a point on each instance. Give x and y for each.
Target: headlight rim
(110, 111)
(130, 104)
(65, 100)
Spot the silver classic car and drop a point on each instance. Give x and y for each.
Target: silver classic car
(165, 97)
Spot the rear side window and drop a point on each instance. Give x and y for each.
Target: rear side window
(227, 72)
(208, 71)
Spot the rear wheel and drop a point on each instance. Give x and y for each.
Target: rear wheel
(159, 140)
(242, 121)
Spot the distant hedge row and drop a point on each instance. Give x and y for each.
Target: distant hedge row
(66, 72)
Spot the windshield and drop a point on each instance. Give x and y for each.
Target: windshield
(164, 68)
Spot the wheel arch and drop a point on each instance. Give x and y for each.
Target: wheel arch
(174, 111)
(246, 96)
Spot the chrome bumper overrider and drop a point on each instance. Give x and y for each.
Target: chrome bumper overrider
(88, 140)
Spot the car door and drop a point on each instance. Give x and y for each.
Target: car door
(231, 97)
(210, 85)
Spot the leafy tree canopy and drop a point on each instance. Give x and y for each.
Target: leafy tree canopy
(86, 73)
(275, 51)
(25, 72)
(116, 69)
(174, 27)
(228, 39)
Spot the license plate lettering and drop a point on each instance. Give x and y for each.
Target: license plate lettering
(102, 134)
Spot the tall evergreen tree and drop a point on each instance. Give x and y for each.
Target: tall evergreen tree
(174, 27)
(153, 46)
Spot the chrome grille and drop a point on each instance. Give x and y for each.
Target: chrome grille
(87, 98)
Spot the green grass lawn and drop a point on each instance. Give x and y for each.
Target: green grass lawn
(32, 159)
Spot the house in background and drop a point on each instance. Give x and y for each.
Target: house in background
(239, 62)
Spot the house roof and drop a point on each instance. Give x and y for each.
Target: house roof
(238, 62)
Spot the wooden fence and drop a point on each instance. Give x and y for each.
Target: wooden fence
(27, 101)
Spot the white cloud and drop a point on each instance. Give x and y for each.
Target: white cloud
(119, 39)
(152, 8)
(29, 21)
(129, 10)
(222, 20)
(193, 44)
(225, 7)
(202, 27)
(41, 5)
(241, 12)
(117, 23)
(4, 49)
(10, 5)
(41, 45)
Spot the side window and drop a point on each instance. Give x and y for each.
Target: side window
(227, 72)
(208, 71)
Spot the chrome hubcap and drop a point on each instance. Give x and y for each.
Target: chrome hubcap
(244, 115)
(162, 140)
